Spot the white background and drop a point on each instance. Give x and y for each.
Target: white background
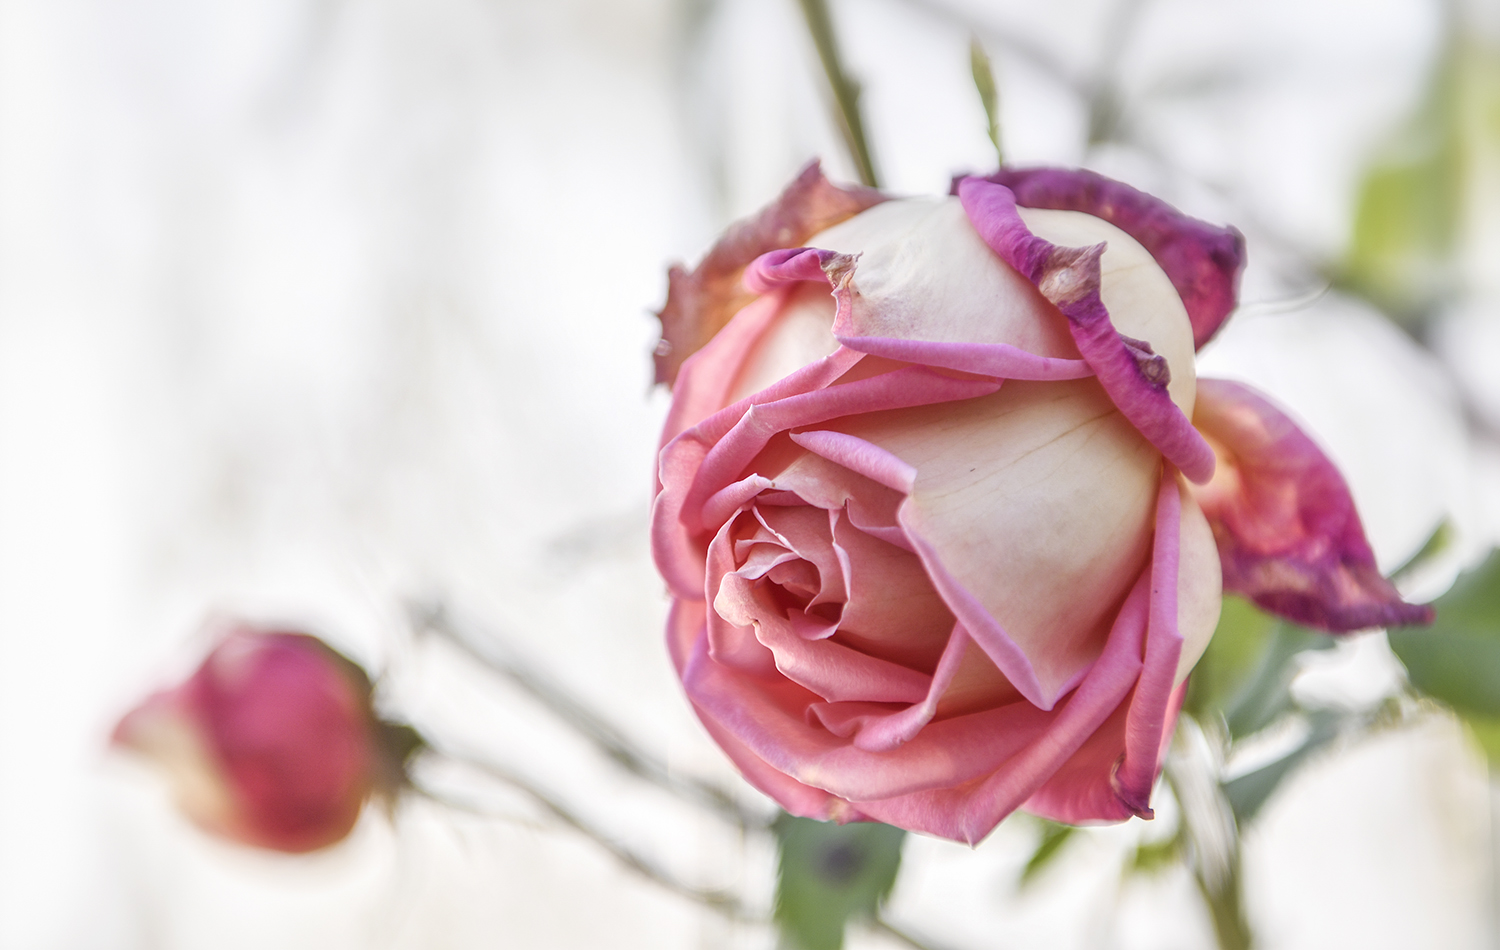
(310, 307)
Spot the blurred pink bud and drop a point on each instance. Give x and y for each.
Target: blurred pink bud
(272, 742)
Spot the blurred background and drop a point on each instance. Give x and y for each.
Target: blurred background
(326, 312)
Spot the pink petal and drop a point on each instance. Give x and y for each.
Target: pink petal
(1147, 718)
(1031, 511)
(1069, 277)
(968, 813)
(1289, 537)
(723, 463)
(1203, 262)
(677, 546)
(701, 302)
(893, 611)
(883, 731)
(767, 717)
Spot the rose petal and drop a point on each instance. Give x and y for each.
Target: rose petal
(969, 812)
(723, 463)
(1031, 509)
(877, 730)
(767, 717)
(676, 546)
(1070, 277)
(700, 302)
(1203, 262)
(1288, 535)
(923, 274)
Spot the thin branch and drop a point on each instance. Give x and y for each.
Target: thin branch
(720, 902)
(489, 651)
(905, 936)
(845, 89)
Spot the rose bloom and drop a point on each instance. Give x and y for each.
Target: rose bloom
(944, 511)
(271, 742)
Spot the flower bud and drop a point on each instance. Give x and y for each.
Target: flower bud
(272, 742)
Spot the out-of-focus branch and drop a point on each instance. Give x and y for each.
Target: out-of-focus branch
(1212, 834)
(884, 926)
(845, 89)
(489, 651)
(721, 902)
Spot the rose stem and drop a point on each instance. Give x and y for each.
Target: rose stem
(845, 89)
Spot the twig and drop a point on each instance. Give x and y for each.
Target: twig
(984, 84)
(1020, 46)
(911, 940)
(434, 617)
(845, 90)
(1211, 832)
(720, 902)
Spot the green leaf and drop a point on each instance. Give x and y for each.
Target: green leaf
(1247, 793)
(1231, 656)
(829, 873)
(1268, 693)
(984, 81)
(1245, 675)
(1155, 856)
(1408, 206)
(1411, 207)
(1054, 836)
(1457, 659)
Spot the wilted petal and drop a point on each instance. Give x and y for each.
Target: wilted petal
(1288, 535)
(1138, 380)
(922, 273)
(700, 302)
(1203, 262)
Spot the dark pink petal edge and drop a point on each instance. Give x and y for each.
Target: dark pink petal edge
(1289, 537)
(1133, 376)
(1202, 261)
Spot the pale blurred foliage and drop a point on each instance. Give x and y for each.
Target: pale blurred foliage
(310, 306)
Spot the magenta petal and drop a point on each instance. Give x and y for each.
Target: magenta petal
(1288, 535)
(791, 264)
(1202, 261)
(1069, 277)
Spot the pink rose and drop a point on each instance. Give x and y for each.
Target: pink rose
(947, 540)
(271, 742)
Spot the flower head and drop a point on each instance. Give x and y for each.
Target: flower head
(942, 535)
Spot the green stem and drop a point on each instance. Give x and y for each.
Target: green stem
(1212, 834)
(1225, 907)
(845, 90)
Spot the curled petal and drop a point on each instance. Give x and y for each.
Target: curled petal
(1070, 278)
(1203, 262)
(1288, 535)
(700, 302)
